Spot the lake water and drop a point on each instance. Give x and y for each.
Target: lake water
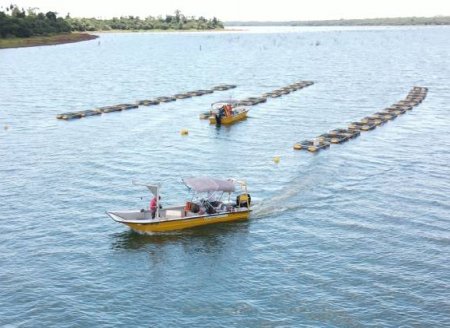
(357, 235)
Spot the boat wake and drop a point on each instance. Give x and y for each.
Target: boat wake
(289, 197)
(297, 193)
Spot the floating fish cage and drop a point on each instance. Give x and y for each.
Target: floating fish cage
(193, 94)
(145, 102)
(275, 94)
(246, 103)
(204, 92)
(340, 138)
(367, 127)
(127, 106)
(69, 116)
(110, 109)
(312, 145)
(371, 121)
(383, 116)
(283, 91)
(91, 112)
(334, 137)
(252, 101)
(182, 96)
(325, 137)
(337, 136)
(224, 87)
(165, 99)
(267, 94)
(148, 102)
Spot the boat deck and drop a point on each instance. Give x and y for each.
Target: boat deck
(171, 214)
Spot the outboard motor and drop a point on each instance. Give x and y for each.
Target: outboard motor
(243, 200)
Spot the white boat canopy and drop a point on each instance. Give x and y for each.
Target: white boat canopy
(205, 184)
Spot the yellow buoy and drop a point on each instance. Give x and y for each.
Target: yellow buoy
(276, 159)
(184, 132)
(298, 146)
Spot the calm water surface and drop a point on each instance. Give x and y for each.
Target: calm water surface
(358, 235)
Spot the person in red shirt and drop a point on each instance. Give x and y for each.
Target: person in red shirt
(153, 205)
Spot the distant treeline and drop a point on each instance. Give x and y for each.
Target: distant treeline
(399, 21)
(15, 22)
(170, 22)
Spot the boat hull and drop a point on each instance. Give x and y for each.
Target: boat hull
(185, 223)
(230, 119)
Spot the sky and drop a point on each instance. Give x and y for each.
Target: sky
(232, 10)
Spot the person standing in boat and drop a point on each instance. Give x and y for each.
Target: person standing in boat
(153, 205)
(228, 110)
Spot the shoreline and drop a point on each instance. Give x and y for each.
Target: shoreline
(164, 31)
(49, 40)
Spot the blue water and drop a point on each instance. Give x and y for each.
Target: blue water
(357, 235)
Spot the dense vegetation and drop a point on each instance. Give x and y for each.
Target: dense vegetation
(438, 20)
(170, 22)
(15, 22)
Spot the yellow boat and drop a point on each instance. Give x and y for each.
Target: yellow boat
(226, 120)
(227, 112)
(204, 207)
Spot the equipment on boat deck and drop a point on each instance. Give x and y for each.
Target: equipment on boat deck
(207, 205)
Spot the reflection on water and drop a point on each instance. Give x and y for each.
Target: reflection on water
(225, 130)
(208, 239)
